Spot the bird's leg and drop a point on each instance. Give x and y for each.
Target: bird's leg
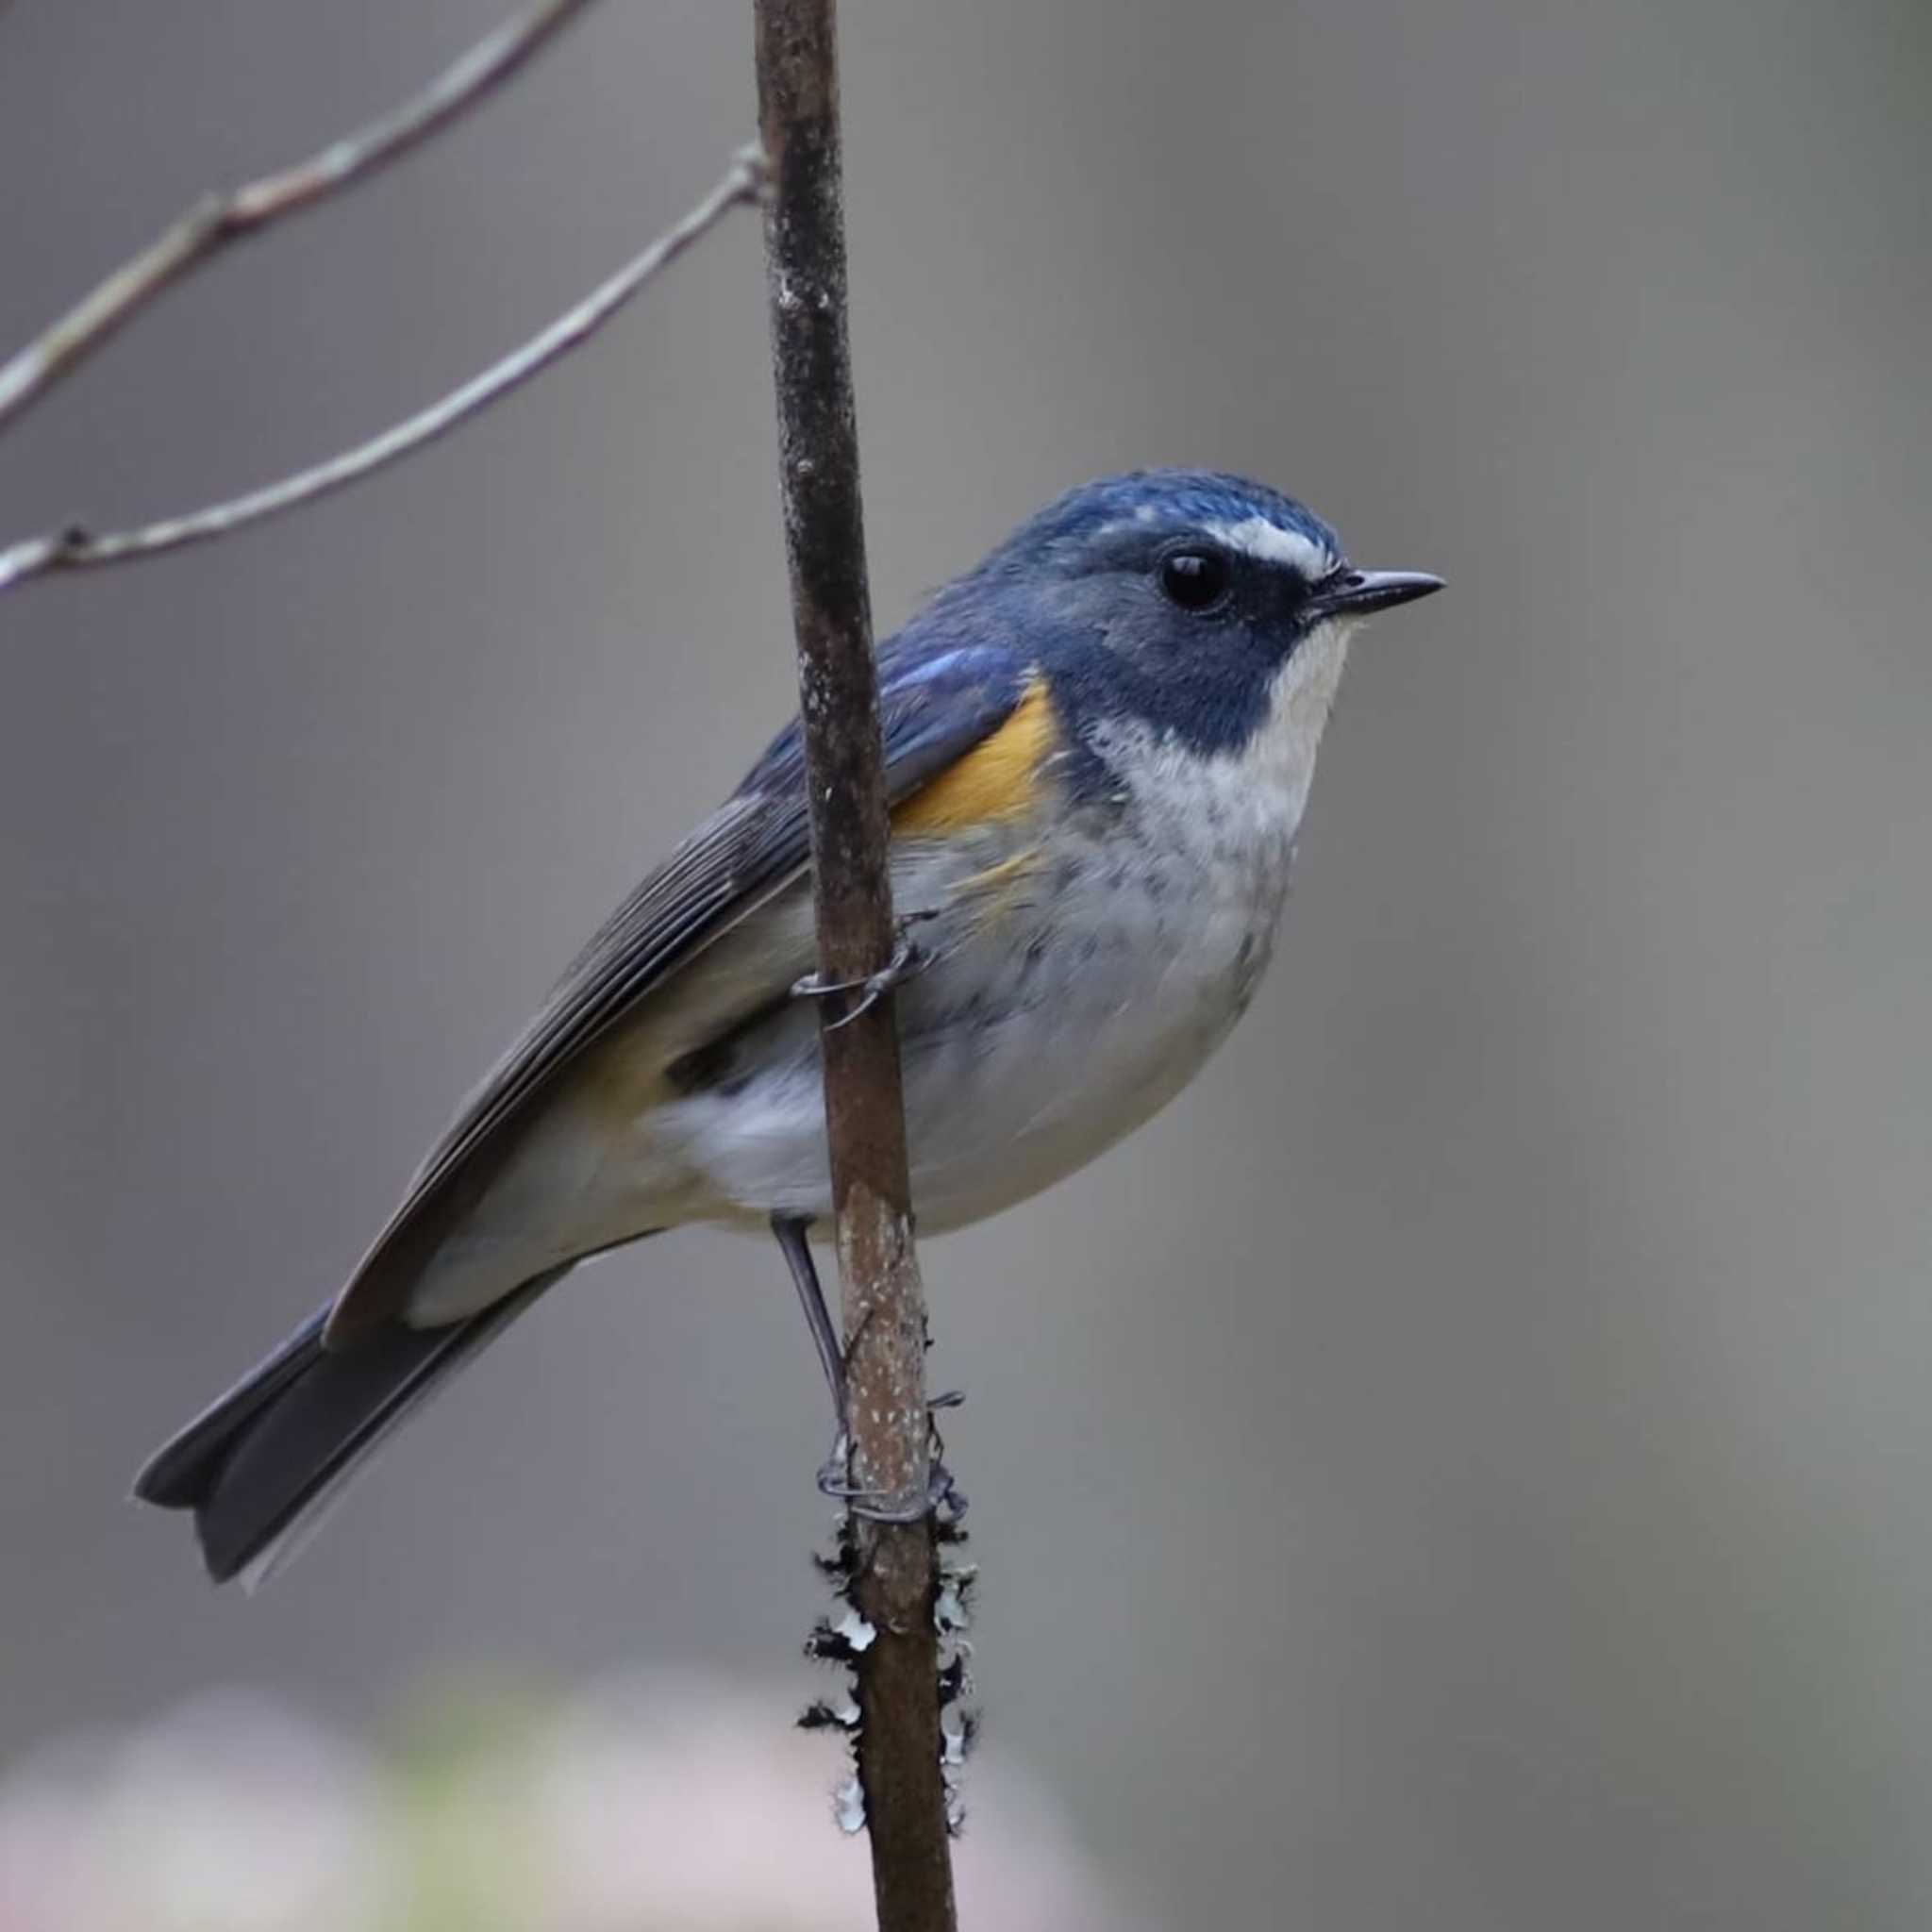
(835, 1474)
(791, 1230)
(908, 959)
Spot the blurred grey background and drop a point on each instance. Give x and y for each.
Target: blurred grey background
(1467, 1464)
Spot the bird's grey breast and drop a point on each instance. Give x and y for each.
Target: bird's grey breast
(1082, 960)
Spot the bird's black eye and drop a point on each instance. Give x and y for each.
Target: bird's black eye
(1194, 578)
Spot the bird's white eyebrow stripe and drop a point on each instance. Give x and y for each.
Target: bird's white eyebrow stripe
(1258, 537)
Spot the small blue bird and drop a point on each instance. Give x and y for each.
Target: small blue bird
(1098, 746)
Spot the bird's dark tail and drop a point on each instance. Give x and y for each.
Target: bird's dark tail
(260, 1467)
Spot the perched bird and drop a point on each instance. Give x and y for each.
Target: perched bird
(1098, 746)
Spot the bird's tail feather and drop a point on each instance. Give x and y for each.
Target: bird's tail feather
(262, 1468)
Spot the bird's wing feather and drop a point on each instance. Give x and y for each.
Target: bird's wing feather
(936, 706)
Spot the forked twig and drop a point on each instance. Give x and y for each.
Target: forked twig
(75, 549)
(219, 220)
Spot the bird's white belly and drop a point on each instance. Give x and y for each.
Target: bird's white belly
(1049, 1025)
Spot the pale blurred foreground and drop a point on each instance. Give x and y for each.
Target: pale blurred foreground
(667, 1802)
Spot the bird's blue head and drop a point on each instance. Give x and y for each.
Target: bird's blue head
(1195, 606)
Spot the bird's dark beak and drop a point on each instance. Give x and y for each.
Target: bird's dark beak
(1356, 593)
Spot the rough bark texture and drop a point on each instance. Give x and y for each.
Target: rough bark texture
(882, 1306)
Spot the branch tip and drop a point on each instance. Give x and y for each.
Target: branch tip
(217, 220)
(75, 549)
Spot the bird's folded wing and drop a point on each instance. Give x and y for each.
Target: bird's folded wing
(936, 706)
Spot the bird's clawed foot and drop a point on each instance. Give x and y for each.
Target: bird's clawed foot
(835, 1474)
(908, 959)
(878, 1505)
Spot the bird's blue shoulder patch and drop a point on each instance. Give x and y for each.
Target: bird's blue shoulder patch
(939, 697)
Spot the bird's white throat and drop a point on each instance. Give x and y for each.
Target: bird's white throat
(1282, 753)
(1255, 791)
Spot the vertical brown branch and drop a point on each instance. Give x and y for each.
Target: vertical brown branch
(882, 1306)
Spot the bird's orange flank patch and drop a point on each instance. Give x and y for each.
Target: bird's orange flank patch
(999, 778)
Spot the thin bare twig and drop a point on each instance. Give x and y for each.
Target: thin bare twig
(76, 550)
(892, 1569)
(219, 220)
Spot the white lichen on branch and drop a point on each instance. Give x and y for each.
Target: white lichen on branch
(846, 1641)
